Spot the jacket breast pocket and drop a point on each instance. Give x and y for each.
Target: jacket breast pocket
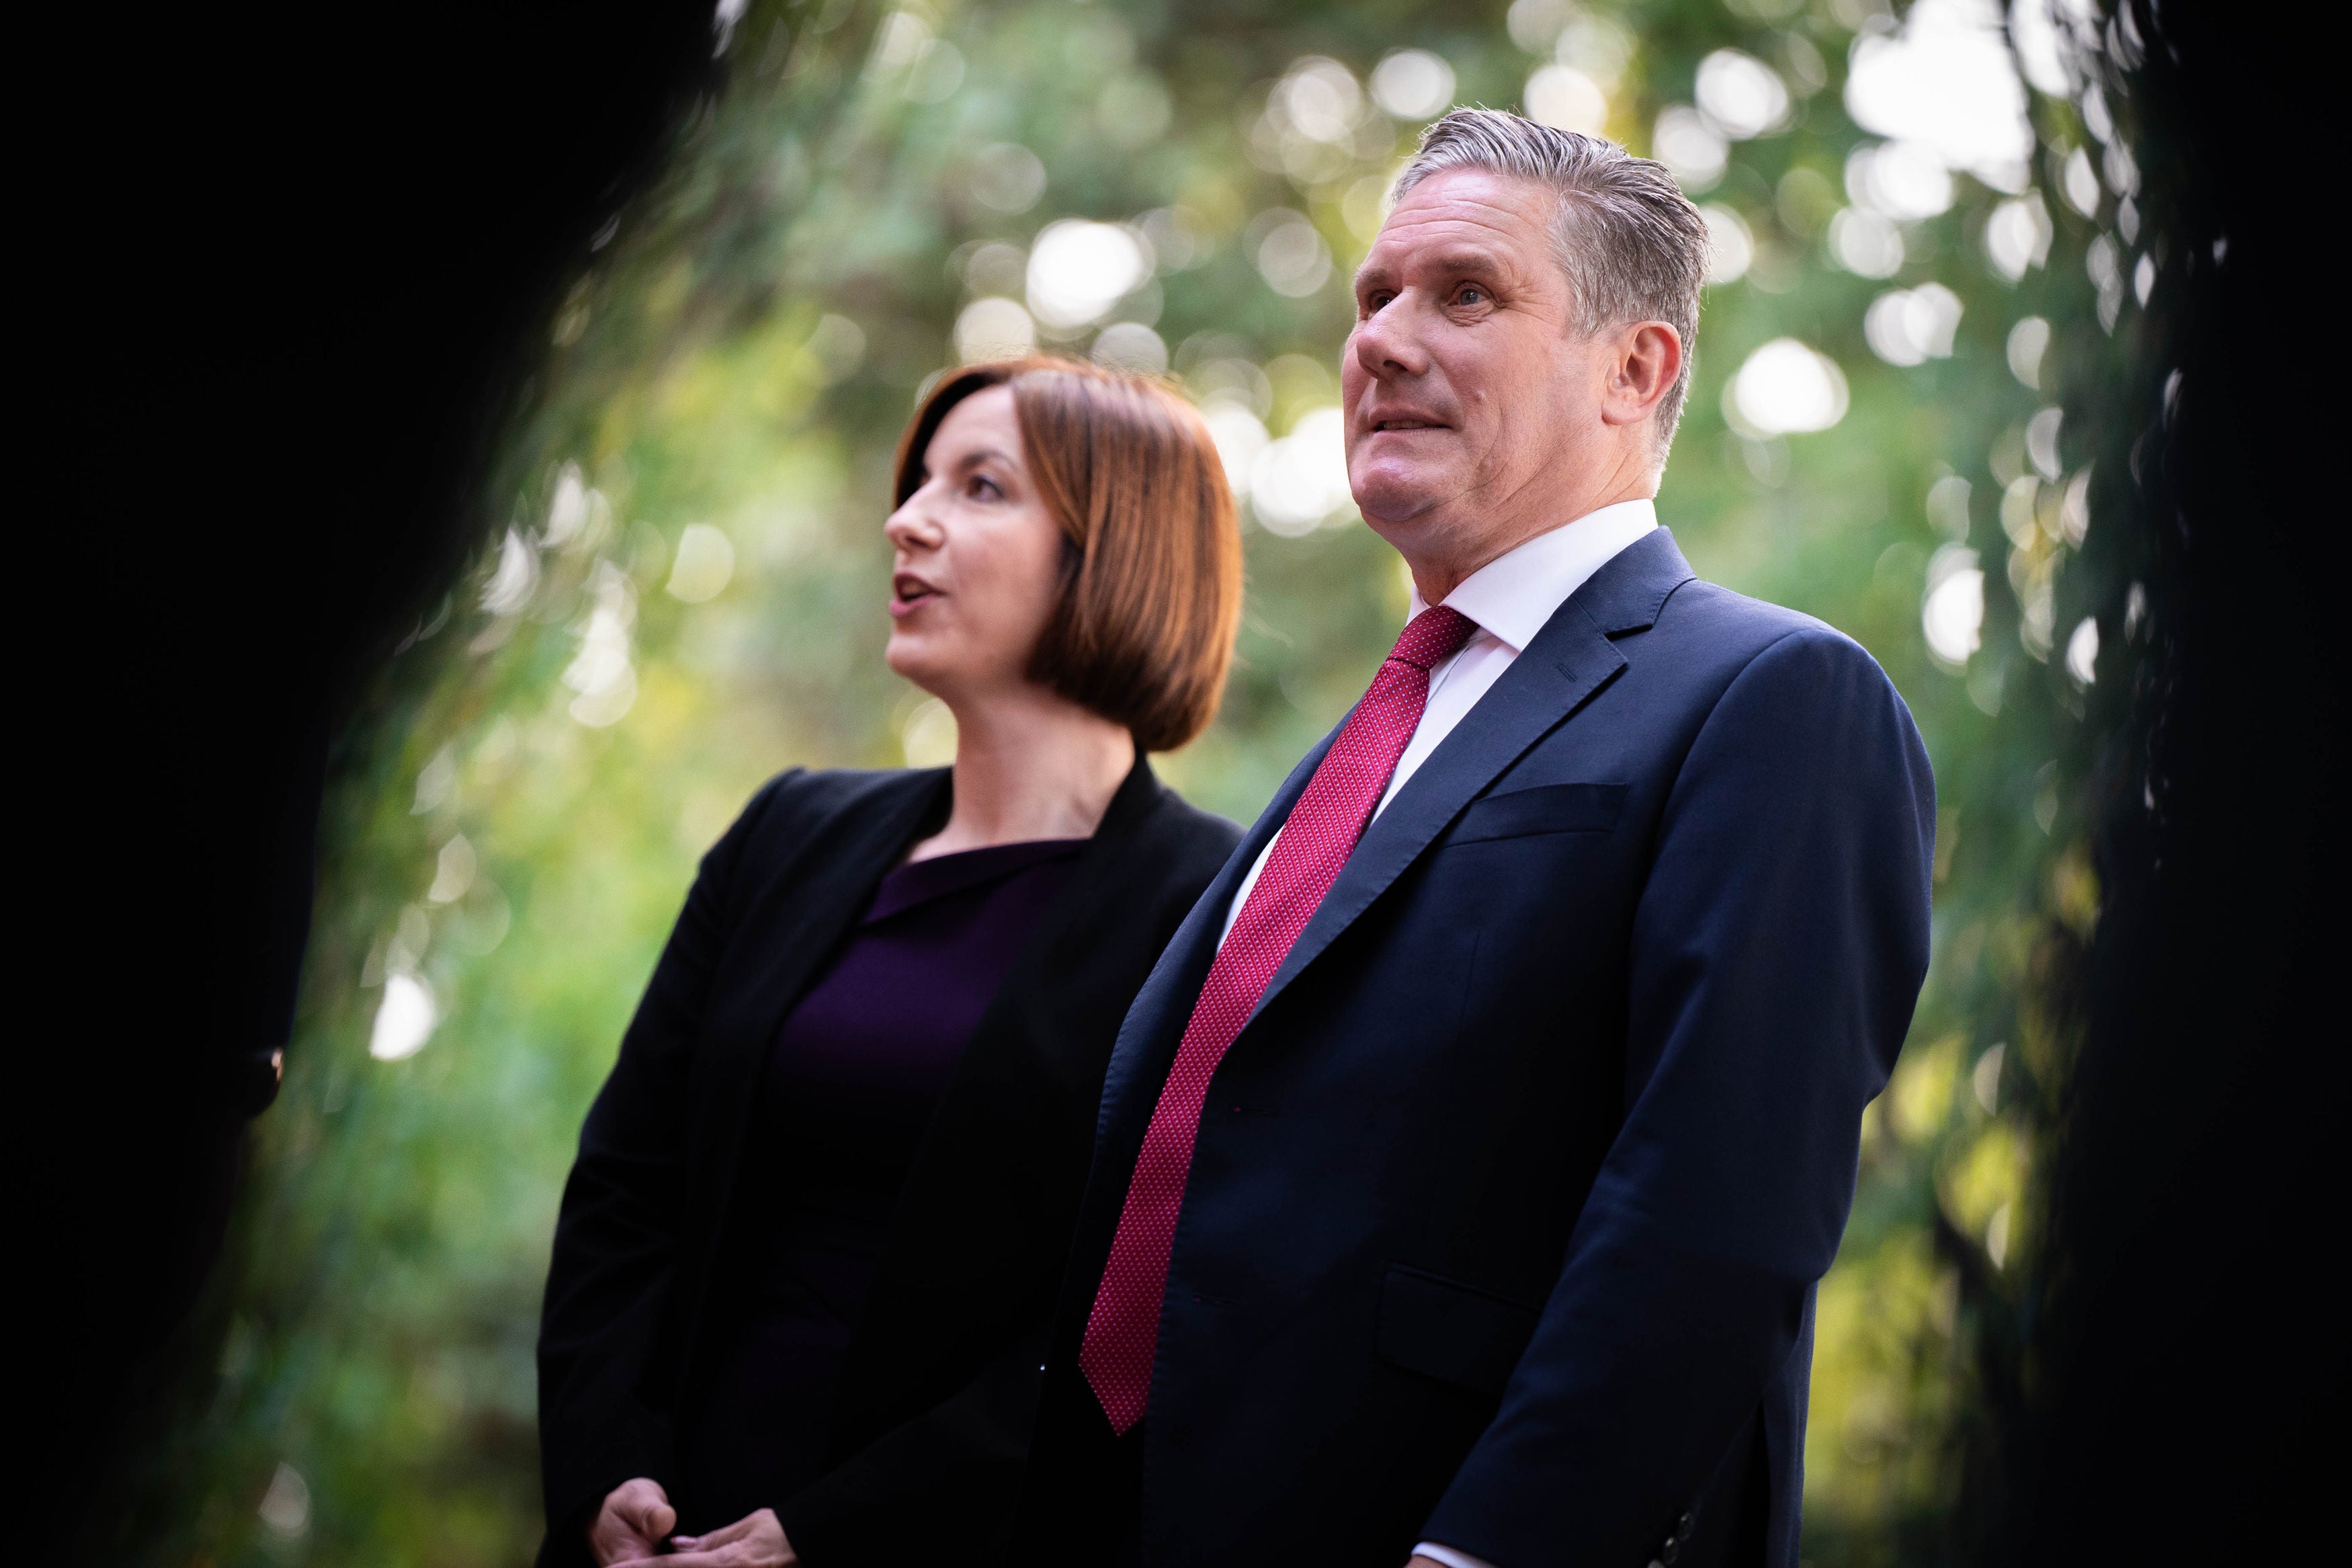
(1544, 809)
(1454, 1333)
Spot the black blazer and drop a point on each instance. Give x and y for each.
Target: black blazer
(1507, 1203)
(931, 1424)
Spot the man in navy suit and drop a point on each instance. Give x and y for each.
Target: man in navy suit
(1467, 1164)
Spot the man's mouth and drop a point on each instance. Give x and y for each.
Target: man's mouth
(1405, 421)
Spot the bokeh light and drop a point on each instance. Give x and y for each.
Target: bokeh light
(1691, 147)
(1866, 242)
(1564, 95)
(1741, 96)
(1730, 247)
(704, 562)
(1414, 84)
(1912, 326)
(1300, 482)
(2027, 342)
(1946, 80)
(1008, 177)
(1905, 181)
(1080, 270)
(1785, 388)
(2017, 236)
(1291, 253)
(993, 330)
(404, 1019)
(1951, 616)
(1130, 346)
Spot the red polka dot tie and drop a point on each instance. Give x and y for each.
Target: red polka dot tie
(1123, 1330)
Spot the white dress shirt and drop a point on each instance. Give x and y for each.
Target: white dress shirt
(1509, 598)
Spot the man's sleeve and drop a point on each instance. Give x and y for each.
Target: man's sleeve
(1777, 952)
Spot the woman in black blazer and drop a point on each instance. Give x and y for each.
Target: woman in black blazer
(806, 1257)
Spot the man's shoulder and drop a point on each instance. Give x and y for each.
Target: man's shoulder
(1708, 608)
(1731, 654)
(1710, 644)
(1731, 626)
(1649, 587)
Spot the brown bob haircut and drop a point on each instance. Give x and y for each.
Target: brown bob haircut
(1151, 561)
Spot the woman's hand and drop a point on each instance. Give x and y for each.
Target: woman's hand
(630, 1526)
(756, 1541)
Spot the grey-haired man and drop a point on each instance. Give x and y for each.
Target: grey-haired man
(1466, 1165)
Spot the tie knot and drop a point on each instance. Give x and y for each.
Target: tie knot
(1433, 636)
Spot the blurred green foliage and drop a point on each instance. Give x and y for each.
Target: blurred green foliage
(684, 595)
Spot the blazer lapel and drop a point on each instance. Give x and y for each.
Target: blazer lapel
(796, 918)
(1095, 884)
(792, 923)
(1570, 659)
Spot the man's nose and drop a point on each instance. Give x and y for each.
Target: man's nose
(1388, 343)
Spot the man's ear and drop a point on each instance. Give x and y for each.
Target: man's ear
(1644, 362)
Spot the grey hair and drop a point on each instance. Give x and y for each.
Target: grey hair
(1632, 245)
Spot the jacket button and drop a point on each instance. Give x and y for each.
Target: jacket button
(1682, 1525)
(1670, 1551)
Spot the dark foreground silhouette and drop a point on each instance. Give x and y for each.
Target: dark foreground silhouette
(299, 264)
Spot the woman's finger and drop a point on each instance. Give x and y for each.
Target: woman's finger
(645, 1508)
(728, 1556)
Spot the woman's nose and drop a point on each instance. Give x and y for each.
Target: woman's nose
(911, 527)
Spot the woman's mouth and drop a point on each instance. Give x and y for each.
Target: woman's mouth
(910, 593)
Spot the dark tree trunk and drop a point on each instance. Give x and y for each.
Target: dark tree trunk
(2177, 1395)
(305, 261)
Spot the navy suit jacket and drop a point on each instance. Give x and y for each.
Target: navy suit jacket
(1508, 1203)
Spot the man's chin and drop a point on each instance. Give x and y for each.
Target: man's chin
(1393, 499)
(1397, 516)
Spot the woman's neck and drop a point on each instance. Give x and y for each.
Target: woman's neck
(1029, 765)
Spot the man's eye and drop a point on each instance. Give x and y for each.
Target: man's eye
(1472, 294)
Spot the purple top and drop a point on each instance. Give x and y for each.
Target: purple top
(863, 1060)
(857, 1070)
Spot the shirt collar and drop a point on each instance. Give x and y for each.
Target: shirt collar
(1513, 595)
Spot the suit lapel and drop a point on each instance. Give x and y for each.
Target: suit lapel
(1532, 696)
(1569, 660)
(1146, 1037)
